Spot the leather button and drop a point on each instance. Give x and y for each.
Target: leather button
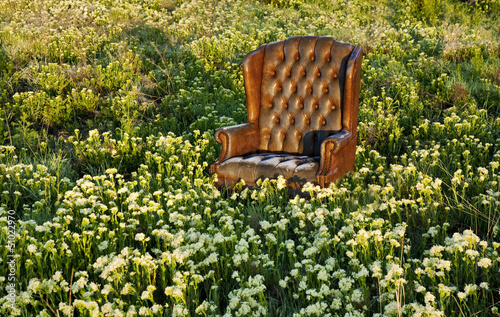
(323, 122)
(316, 106)
(319, 74)
(300, 106)
(276, 119)
(307, 121)
(292, 121)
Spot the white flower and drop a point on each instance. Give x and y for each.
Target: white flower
(484, 263)
(420, 289)
(282, 283)
(103, 245)
(144, 311)
(322, 275)
(140, 237)
(357, 296)
(429, 298)
(345, 284)
(336, 304)
(111, 171)
(265, 225)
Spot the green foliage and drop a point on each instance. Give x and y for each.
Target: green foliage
(107, 116)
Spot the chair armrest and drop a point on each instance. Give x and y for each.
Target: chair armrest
(237, 140)
(337, 157)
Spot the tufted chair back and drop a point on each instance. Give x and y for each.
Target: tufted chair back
(302, 93)
(302, 107)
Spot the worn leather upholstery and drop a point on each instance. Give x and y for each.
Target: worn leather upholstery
(302, 107)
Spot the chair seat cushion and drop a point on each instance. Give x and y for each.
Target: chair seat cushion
(297, 169)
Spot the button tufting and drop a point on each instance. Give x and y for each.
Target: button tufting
(300, 105)
(323, 122)
(316, 106)
(276, 119)
(307, 121)
(292, 121)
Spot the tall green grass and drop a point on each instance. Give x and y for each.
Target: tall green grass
(106, 131)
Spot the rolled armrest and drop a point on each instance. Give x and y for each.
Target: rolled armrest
(237, 140)
(336, 142)
(337, 157)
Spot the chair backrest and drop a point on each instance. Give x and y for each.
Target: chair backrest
(304, 90)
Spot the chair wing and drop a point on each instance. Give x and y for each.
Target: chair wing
(302, 98)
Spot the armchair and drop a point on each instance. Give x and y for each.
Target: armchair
(302, 110)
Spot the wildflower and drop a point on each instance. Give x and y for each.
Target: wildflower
(144, 311)
(432, 231)
(336, 304)
(357, 296)
(140, 237)
(32, 248)
(444, 291)
(265, 225)
(322, 275)
(436, 250)
(429, 298)
(470, 289)
(420, 289)
(363, 272)
(345, 284)
(484, 263)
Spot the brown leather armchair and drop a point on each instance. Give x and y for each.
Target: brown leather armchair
(302, 105)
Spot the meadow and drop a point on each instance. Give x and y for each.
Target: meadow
(107, 117)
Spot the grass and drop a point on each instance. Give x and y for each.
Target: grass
(106, 132)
